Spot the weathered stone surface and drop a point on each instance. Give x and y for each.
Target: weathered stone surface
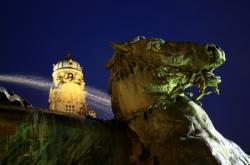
(148, 83)
(183, 134)
(33, 136)
(180, 134)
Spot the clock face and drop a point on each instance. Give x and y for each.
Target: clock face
(64, 77)
(68, 77)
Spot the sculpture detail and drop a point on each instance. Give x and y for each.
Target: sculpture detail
(155, 122)
(175, 66)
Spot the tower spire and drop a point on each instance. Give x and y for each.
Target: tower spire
(67, 56)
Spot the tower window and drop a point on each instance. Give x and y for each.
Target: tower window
(70, 108)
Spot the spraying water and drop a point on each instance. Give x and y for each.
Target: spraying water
(95, 97)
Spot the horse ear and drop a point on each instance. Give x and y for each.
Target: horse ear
(120, 46)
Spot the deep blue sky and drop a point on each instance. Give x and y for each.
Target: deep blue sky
(35, 34)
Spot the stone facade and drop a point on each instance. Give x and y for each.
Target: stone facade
(68, 92)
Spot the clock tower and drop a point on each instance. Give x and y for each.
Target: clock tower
(68, 93)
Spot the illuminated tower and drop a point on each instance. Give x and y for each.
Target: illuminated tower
(68, 92)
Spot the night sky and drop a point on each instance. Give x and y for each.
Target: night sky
(36, 34)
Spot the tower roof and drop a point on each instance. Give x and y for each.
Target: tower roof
(67, 62)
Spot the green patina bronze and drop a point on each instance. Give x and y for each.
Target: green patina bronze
(175, 66)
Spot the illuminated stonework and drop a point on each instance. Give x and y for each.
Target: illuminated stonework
(68, 92)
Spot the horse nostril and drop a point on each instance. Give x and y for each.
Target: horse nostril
(211, 48)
